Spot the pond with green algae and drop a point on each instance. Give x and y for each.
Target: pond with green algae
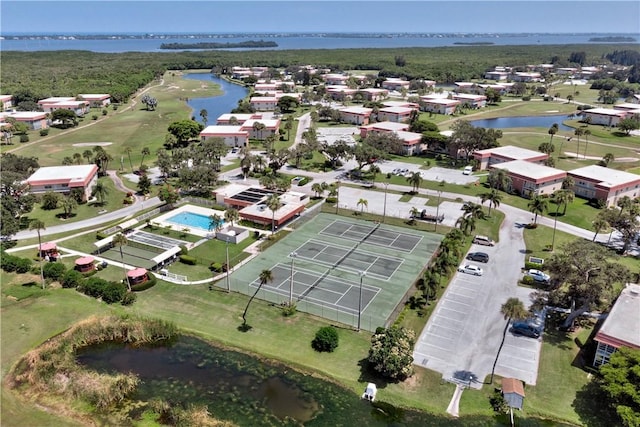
(246, 390)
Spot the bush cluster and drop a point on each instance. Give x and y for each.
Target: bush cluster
(109, 292)
(187, 259)
(11, 263)
(326, 339)
(529, 265)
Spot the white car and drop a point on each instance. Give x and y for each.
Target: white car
(470, 269)
(538, 276)
(468, 170)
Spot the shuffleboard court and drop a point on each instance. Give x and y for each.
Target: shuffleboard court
(155, 240)
(372, 235)
(349, 259)
(314, 288)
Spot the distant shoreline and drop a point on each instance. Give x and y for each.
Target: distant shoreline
(204, 45)
(621, 39)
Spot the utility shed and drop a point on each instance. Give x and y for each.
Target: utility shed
(513, 392)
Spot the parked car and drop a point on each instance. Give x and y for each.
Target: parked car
(468, 170)
(523, 328)
(538, 276)
(470, 269)
(483, 240)
(478, 256)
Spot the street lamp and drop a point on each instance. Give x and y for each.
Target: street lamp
(437, 211)
(471, 378)
(337, 195)
(227, 249)
(384, 211)
(293, 255)
(362, 274)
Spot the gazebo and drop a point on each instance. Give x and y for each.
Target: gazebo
(137, 276)
(85, 264)
(48, 251)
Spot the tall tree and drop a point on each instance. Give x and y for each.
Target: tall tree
(100, 191)
(621, 382)
(36, 224)
(513, 308)
(231, 215)
(598, 225)
(552, 131)
(273, 203)
(586, 134)
(391, 352)
(265, 277)
(121, 240)
(578, 133)
(415, 179)
(128, 150)
(145, 152)
(538, 206)
(204, 115)
(494, 198)
(362, 203)
(499, 179)
(473, 210)
(467, 224)
(215, 222)
(68, 205)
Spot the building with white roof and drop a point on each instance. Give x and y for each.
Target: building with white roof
(507, 153)
(621, 328)
(261, 128)
(335, 79)
(62, 179)
(628, 106)
(96, 100)
(34, 119)
(264, 103)
(605, 116)
(439, 105)
(356, 115)
(469, 100)
(411, 142)
(7, 102)
(341, 93)
(395, 114)
(532, 179)
(373, 94)
(395, 84)
(226, 119)
(601, 183)
(233, 136)
(383, 127)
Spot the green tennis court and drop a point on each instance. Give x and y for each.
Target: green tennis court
(323, 264)
(135, 256)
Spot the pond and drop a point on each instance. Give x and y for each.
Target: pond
(523, 122)
(244, 389)
(215, 105)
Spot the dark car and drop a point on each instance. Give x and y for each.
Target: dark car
(524, 328)
(478, 256)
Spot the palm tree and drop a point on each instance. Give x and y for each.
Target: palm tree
(568, 183)
(68, 205)
(598, 225)
(265, 277)
(38, 225)
(608, 158)
(538, 206)
(374, 170)
(204, 114)
(578, 133)
(513, 308)
(623, 203)
(121, 240)
(88, 155)
(317, 188)
(215, 222)
(273, 203)
(231, 215)
(362, 203)
(77, 158)
(259, 163)
(552, 131)
(258, 127)
(101, 192)
(494, 198)
(499, 179)
(145, 152)
(128, 150)
(473, 210)
(467, 224)
(415, 179)
(586, 134)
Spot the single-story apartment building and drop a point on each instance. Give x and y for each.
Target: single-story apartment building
(96, 100)
(7, 102)
(395, 114)
(335, 79)
(62, 179)
(356, 115)
(526, 77)
(341, 93)
(531, 179)
(599, 182)
(406, 104)
(233, 136)
(439, 105)
(227, 118)
(621, 327)
(469, 100)
(263, 103)
(507, 153)
(373, 94)
(411, 142)
(34, 119)
(395, 84)
(79, 107)
(383, 127)
(604, 116)
(628, 106)
(497, 75)
(269, 127)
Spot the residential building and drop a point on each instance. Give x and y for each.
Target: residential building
(34, 119)
(341, 93)
(526, 77)
(355, 115)
(7, 102)
(96, 100)
(264, 103)
(62, 179)
(395, 84)
(233, 136)
(496, 75)
(412, 105)
(507, 153)
(439, 105)
(382, 127)
(621, 328)
(627, 106)
(226, 119)
(605, 116)
(261, 128)
(50, 105)
(395, 114)
(470, 100)
(464, 87)
(532, 179)
(601, 183)
(373, 94)
(335, 79)
(411, 142)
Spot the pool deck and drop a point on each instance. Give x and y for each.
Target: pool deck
(162, 220)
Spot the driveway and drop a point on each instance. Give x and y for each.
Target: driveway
(464, 333)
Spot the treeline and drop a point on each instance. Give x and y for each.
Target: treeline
(37, 75)
(217, 45)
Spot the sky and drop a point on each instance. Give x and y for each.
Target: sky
(380, 16)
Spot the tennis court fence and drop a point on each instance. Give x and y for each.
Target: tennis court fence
(139, 245)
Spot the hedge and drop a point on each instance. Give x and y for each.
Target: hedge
(146, 285)
(303, 181)
(189, 260)
(54, 270)
(533, 265)
(11, 263)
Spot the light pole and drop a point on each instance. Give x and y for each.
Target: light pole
(227, 249)
(362, 274)
(471, 378)
(555, 222)
(337, 195)
(435, 229)
(384, 210)
(293, 255)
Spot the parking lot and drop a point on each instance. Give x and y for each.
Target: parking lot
(464, 332)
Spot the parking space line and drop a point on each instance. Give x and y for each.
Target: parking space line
(448, 327)
(433, 334)
(438, 348)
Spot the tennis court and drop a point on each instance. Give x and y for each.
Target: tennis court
(373, 235)
(350, 259)
(329, 257)
(151, 239)
(335, 294)
(133, 254)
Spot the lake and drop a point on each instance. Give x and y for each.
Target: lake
(523, 122)
(215, 105)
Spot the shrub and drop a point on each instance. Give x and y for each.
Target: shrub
(104, 112)
(128, 299)
(7, 262)
(189, 260)
(146, 285)
(528, 280)
(44, 132)
(24, 138)
(526, 98)
(183, 250)
(326, 339)
(94, 117)
(100, 235)
(288, 309)
(529, 265)
(303, 181)
(330, 200)
(215, 266)
(72, 279)
(114, 292)
(54, 270)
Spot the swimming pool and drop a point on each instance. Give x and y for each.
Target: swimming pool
(194, 220)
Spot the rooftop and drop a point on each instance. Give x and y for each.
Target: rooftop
(512, 152)
(606, 176)
(222, 130)
(606, 111)
(387, 126)
(356, 110)
(622, 326)
(73, 173)
(529, 170)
